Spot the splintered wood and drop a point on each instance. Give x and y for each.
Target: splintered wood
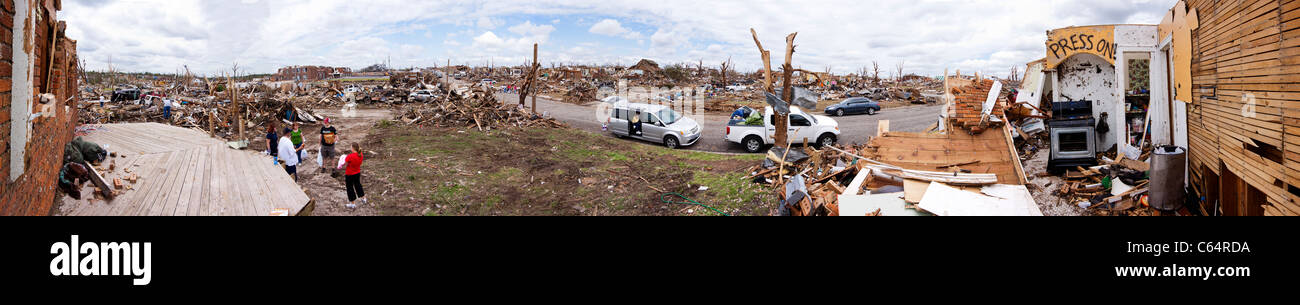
(475, 108)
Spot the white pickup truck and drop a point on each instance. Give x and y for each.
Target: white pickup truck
(817, 129)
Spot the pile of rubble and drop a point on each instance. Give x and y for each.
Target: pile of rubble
(477, 108)
(580, 93)
(965, 165)
(815, 179)
(834, 181)
(1115, 188)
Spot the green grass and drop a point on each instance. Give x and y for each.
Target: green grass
(727, 191)
(449, 195)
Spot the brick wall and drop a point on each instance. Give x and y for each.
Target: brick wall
(35, 192)
(969, 103)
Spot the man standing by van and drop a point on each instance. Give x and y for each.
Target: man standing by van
(634, 124)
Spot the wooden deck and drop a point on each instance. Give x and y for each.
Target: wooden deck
(184, 172)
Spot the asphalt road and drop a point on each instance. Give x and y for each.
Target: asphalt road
(853, 128)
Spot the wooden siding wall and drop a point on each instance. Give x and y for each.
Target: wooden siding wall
(1247, 48)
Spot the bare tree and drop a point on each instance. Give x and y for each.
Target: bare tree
(726, 66)
(875, 73)
(899, 77)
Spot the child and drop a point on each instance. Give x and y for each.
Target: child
(352, 176)
(296, 137)
(272, 139)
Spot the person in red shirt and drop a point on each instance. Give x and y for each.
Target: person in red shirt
(352, 176)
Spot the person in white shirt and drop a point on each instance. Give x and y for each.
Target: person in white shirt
(167, 110)
(288, 155)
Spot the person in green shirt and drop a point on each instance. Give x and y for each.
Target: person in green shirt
(296, 137)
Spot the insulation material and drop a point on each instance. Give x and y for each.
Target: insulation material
(993, 200)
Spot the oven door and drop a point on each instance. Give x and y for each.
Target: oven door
(1073, 143)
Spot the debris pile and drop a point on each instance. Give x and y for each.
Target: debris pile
(834, 181)
(580, 93)
(1116, 188)
(477, 108)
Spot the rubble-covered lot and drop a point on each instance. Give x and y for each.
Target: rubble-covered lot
(426, 170)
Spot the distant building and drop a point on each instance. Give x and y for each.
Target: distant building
(309, 73)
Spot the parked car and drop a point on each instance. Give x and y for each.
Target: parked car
(821, 130)
(126, 94)
(423, 95)
(659, 124)
(853, 106)
(737, 87)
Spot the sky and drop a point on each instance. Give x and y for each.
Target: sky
(211, 37)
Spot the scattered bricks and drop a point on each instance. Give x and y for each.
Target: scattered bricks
(117, 183)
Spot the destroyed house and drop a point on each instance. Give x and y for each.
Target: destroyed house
(1217, 78)
(309, 73)
(37, 116)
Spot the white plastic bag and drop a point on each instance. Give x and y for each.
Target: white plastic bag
(342, 161)
(320, 160)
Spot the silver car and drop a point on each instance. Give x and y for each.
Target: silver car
(656, 123)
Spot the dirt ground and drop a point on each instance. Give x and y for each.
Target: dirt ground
(1043, 187)
(325, 188)
(418, 170)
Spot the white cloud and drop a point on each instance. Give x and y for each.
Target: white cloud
(928, 35)
(611, 27)
(528, 29)
(488, 23)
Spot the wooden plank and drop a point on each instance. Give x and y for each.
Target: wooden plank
(194, 186)
(260, 188)
(181, 197)
(171, 172)
(154, 179)
(104, 189)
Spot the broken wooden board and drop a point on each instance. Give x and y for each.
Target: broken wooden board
(104, 189)
(1135, 165)
(925, 152)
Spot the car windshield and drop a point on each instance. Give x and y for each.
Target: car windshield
(668, 116)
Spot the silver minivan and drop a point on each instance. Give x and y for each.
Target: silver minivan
(657, 123)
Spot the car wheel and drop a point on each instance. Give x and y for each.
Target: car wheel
(826, 140)
(871, 111)
(753, 144)
(839, 112)
(670, 142)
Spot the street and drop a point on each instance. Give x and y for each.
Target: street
(853, 128)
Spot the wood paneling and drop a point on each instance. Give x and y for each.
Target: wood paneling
(1245, 55)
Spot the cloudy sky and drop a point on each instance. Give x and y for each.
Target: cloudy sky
(845, 36)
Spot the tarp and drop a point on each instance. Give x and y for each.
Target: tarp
(779, 106)
(803, 97)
